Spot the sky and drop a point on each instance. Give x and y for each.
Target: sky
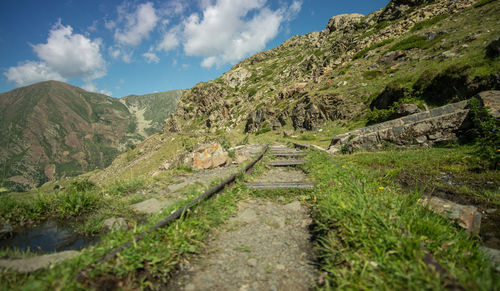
(137, 47)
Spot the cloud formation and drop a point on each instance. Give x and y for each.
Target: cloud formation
(65, 55)
(230, 30)
(138, 24)
(151, 57)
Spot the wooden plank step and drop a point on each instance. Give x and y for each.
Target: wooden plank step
(288, 154)
(280, 185)
(286, 163)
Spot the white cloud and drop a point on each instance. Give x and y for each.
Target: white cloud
(138, 24)
(151, 57)
(89, 86)
(169, 41)
(72, 55)
(93, 27)
(31, 72)
(65, 55)
(121, 52)
(230, 30)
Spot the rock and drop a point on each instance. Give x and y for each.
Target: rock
(467, 216)
(287, 133)
(150, 206)
(171, 125)
(408, 109)
(491, 99)
(398, 8)
(252, 262)
(235, 77)
(344, 22)
(5, 229)
(115, 224)
(208, 156)
(28, 265)
(391, 57)
(493, 255)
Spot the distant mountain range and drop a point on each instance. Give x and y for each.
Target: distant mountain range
(52, 129)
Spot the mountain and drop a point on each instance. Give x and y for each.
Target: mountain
(358, 69)
(52, 129)
(151, 110)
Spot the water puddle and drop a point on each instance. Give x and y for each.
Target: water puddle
(50, 236)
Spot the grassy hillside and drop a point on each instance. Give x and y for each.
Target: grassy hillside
(52, 130)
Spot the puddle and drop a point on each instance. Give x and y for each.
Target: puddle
(50, 236)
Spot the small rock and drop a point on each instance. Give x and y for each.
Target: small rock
(252, 262)
(408, 109)
(287, 133)
(150, 206)
(491, 211)
(190, 287)
(115, 224)
(280, 267)
(5, 229)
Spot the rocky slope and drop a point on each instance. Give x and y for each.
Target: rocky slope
(357, 68)
(52, 129)
(152, 109)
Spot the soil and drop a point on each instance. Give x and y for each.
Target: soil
(265, 246)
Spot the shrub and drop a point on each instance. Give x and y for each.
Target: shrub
(486, 132)
(363, 52)
(482, 3)
(429, 22)
(414, 41)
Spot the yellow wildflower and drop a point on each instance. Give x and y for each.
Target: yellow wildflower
(381, 188)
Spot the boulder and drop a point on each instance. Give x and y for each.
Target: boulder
(235, 77)
(115, 224)
(398, 8)
(466, 216)
(287, 133)
(208, 156)
(344, 22)
(408, 109)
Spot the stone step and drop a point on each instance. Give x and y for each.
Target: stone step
(286, 163)
(280, 185)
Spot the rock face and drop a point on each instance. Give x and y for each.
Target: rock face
(408, 109)
(491, 99)
(208, 156)
(265, 118)
(425, 128)
(344, 22)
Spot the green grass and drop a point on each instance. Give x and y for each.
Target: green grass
(371, 236)
(414, 41)
(482, 3)
(429, 22)
(364, 51)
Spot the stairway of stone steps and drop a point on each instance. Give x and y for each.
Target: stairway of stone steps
(283, 178)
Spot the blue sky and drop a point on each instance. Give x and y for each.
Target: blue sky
(137, 47)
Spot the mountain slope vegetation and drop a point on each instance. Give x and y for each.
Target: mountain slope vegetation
(53, 130)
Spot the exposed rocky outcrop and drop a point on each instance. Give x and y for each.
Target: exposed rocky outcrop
(397, 8)
(425, 128)
(28, 265)
(115, 224)
(344, 22)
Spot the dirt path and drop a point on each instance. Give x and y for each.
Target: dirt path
(265, 246)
